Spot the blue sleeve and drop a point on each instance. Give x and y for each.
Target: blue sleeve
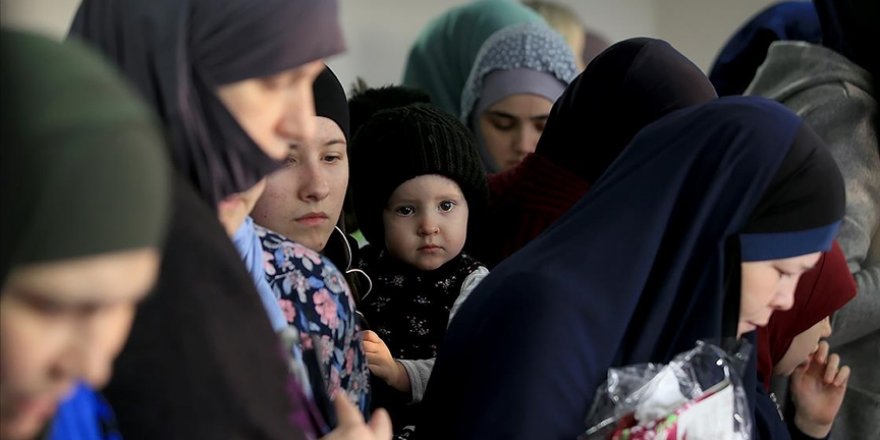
(85, 416)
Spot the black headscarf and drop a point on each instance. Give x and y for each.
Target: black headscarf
(177, 52)
(330, 101)
(800, 209)
(628, 86)
(635, 272)
(849, 27)
(84, 168)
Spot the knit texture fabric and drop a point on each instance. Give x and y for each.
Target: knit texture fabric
(399, 144)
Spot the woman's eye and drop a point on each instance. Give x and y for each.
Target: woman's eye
(783, 274)
(47, 307)
(540, 126)
(503, 125)
(276, 82)
(51, 309)
(405, 210)
(446, 205)
(500, 122)
(332, 158)
(290, 161)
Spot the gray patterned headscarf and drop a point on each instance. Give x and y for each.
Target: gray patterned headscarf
(527, 58)
(528, 46)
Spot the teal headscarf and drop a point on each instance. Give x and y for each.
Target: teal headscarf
(444, 52)
(84, 168)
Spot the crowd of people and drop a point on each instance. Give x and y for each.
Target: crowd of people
(203, 236)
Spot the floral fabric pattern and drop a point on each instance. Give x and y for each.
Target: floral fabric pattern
(409, 308)
(316, 300)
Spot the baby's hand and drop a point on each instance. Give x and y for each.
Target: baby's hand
(381, 363)
(817, 389)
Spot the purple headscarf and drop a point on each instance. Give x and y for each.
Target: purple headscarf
(177, 52)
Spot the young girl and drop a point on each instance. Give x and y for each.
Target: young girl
(699, 230)
(419, 189)
(295, 223)
(790, 346)
(518, 74)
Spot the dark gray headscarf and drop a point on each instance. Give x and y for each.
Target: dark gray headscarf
(84, 168)
(178, 52)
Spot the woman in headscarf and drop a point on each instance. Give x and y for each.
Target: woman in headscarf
(232, 81)
(790, 346)
(519, 73)
(442, 56)
(85, 195)
(630, 85)
(739, 59)
(297, 217)
(699, 230)
(834, 88)
(303, 201)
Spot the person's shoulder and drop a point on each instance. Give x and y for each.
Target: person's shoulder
(469, 264)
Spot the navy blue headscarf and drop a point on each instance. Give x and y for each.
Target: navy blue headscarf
(740, 58)
(637, 271)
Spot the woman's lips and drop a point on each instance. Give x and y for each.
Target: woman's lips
(312, 219)
(40, 407)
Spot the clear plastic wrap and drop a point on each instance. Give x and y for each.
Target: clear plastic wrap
(698, 395)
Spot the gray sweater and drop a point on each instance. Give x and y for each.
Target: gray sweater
(836, 97)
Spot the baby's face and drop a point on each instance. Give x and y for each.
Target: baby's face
(426, 221)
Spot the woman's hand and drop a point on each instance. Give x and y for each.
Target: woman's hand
(381, 363)
(817, 389)
(351, 424)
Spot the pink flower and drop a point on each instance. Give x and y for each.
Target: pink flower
(306, 342)
(267, 263)
(349, 361)
(325, 349)
(325, 305)
(288, 309)
(300, 251)
(335, 382)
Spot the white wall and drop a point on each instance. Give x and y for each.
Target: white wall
(51, 17)
(379, 32)
(698, 28)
